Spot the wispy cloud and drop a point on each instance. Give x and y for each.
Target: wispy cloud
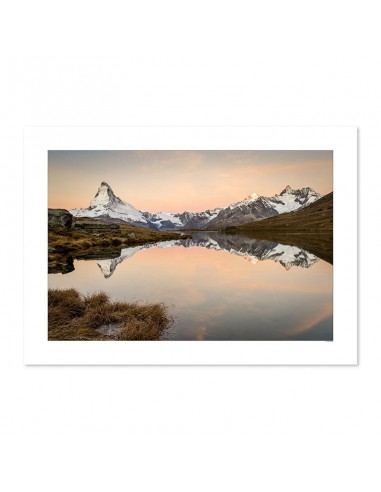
(177, 180)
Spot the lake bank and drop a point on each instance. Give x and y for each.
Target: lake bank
(68, 244)
(74, 316)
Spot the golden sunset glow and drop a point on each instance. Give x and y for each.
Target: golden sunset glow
(179, 180)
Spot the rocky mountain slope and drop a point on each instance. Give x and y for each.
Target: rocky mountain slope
(314, 218)
(107, 206)
(310, 228)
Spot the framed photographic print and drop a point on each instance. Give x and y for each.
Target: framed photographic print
(190, 245)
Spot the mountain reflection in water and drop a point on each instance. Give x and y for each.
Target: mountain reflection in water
(219, 286)
(250, 249)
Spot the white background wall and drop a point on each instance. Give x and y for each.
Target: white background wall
(189, 63)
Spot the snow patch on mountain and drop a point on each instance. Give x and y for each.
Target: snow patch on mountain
(289, 200)
(106, 205)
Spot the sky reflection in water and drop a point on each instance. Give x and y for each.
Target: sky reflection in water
(220, 287)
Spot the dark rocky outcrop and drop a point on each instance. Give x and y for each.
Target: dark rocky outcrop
(99, 254)
(95, 227)
(60, 264)
(59, 217)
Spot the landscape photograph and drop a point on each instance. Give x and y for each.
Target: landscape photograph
(190, 245)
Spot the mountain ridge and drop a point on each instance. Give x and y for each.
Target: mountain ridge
(313, 218)
(310, 228)
(107, 206)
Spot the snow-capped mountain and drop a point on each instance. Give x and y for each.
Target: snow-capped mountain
(256, 207)
(252, 250)
(107, 206)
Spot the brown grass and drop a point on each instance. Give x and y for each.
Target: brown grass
(72, 316)
(66, 241)
(68, 244)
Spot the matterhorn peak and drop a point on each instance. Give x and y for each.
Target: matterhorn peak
(103, 197)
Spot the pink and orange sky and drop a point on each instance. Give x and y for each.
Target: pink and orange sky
(178, 180)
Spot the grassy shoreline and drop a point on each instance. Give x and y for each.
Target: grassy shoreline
(73, 316)
(64, 245)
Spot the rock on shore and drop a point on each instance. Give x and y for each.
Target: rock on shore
(59, 217)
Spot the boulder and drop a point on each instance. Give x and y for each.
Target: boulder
(95, 227)
(59, 217)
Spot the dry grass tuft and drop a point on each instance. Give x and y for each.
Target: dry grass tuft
(147, 327)
(76, 317)
(68, 300)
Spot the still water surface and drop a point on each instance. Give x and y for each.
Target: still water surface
(219, 287)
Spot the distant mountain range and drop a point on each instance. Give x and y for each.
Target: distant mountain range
(252, 250)
(316, 217)
(107, 206)
(310, 228)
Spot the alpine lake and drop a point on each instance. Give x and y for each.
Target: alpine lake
(218, 286)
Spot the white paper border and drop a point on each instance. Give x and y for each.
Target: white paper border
(343, 142)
